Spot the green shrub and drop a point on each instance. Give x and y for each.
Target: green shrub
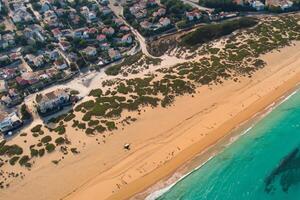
(11, 150)
(69, 117)
(95, 93)
(93, 122)
(74, 92)
(35, 134)
(81, 126)
(22, 135)
(50, 147)
(87, 116)
(110, 125)
(25, 115)
(57, 119)
(74, 150)
(46, 139)
(60, 129)
(37, 128)
(41, 152)
(2, 143)
(100, 129)
(24, 160)
(213, 31)
(13, 160)
(34, 152)
(59, 141)
(75, 123)
(89, 131)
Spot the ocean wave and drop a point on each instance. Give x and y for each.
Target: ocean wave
(171, 183)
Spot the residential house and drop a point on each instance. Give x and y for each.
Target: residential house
(9, 121)
(127, 39)
(164, 21)
(105, 10)
(56, 33)
(45, 6)
(146, 25)
(15, 56)
(31, 77)
(114, 54)
(67, 33)
(104, 46)
(36, 61)
(34, 32)
(12, 98)
(101, 38)
(9, 73)
(60, 64)
(124, 28)
(258, 5)
(53, 55)
(21, 81)
(92, 16)
(6, 40)
(283, 4)
(50, 18)
(50, 101)
(108, 31)
(64, 45)
(52, 72)
(193, 15)
(90, 51)
(79, 33)
(72, 57)
(21, 15)
(84, 11)
(3, 86)
(137, 13)
(118, 22)
(159, 13)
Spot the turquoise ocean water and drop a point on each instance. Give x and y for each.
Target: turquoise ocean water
(261, 165)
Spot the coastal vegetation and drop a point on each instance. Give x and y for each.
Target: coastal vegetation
(119, 101)
(225, 5)
(210, 32)
(132, 65)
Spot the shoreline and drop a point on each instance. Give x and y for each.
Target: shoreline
(238, 102)
(136, 187)
(163, 186)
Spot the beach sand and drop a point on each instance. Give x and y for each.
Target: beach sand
(162, 139)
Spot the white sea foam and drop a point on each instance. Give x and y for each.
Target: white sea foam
(156, 194)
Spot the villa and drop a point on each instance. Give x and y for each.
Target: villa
(52, 101)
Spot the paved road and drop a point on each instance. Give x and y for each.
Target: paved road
(118, 11)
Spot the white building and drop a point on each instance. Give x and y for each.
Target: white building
(258, 5)
(9, 121)
(52, 100)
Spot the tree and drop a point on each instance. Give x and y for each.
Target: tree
(73, 67)
(2, 28)
(24, 112)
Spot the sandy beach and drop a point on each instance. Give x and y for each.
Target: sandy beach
(161, 145)
(162, 139)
